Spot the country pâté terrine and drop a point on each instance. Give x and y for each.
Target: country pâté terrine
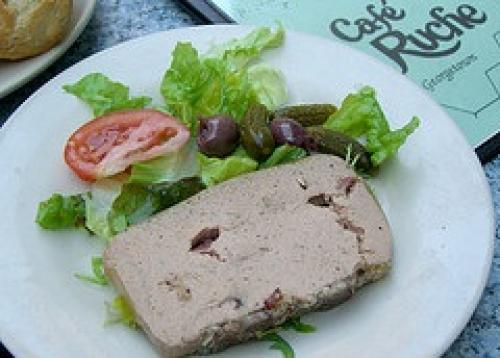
(245, 255)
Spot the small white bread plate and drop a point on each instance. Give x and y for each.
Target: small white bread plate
(15, 74)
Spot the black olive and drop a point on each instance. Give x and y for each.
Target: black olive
(217, 136)
(288, 131)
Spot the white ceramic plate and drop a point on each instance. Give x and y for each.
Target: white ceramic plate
(434, 194)
(15, 74)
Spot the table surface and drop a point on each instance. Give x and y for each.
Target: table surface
(115, 21)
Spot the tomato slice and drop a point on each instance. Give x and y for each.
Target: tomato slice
(109, 144)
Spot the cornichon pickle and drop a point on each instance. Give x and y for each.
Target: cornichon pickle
(307, 114)
(256, 137)
(336, 143)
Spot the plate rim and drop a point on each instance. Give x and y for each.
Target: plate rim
(56, 52)
(11, 342)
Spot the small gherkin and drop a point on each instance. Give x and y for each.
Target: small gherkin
(306, 114)
(256, 137)
(331, 142)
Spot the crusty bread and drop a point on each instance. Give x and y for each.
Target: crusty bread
(245, 255)
(31, 27)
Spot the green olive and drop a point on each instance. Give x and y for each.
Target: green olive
(256, 137)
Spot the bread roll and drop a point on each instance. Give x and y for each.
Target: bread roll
(31, 27)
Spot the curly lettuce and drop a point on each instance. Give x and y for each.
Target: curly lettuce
(98, 204)
(104, 95)
(61, 212)
(269, 85)
(169, 168)
(219, 81)
(112, 205)
(361, 115)
(239, 52)
(217, 170)
(137, 202)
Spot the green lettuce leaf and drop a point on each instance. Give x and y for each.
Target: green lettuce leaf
(216, 170)
(269, 85)
(119, 312)
(362, 115)
(283, 154)
(192, 87)
(172, 194)
(169, 168)
(360, 112)
(219, 82)
(61, 212)
(138, 202)
(103, 95)
(98, 203)
(384, 146)
(98, 277)
(134, 204)
(239, 52)
(111, 205)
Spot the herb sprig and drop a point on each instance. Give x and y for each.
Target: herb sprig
(279, 343)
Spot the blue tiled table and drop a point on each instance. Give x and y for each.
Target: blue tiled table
(115, 21)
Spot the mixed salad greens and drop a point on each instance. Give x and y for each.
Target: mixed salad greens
(231, 108)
